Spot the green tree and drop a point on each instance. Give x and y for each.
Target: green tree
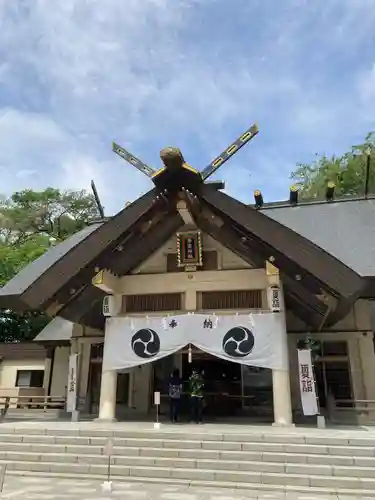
(51, 212)
(30, 222)
(348, 172)
(13, 257)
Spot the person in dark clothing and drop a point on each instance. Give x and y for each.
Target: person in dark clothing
(175, 390)
(196, 386)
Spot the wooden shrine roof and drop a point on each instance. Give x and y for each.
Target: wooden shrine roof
(329, 246)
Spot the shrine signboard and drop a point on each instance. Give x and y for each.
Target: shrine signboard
(72, 384)
(307, 383)
(189, 249)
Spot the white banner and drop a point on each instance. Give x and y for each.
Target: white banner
(249, 339)
(71, 400)
(307, 383)
(274, 298)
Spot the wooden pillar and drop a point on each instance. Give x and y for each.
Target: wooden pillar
(48, 370)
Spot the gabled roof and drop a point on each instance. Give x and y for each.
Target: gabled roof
(57, 330)
(345, 229)
(292, 253)
(29, 274)
(38, 282)
(300, 241)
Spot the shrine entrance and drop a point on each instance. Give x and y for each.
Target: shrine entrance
(232, 390)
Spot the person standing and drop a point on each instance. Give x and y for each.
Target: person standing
(196, 386)
(175, 390)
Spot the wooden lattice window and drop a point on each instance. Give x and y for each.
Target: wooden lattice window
(233, 299)
(210, 262)
(152, 302)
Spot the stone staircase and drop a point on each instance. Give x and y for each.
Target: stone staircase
(313, 462)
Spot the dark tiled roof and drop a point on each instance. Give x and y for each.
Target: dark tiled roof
(345, 229)
(21, 350)
(31, 272)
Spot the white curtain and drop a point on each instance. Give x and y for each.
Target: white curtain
(249, 339)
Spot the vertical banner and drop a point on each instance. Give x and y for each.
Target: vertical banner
(71, 400)
(274, 298)
(307, 383)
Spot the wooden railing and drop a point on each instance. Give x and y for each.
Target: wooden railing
(352, 409)
(3, 469)
(39, 403)
(355, 405)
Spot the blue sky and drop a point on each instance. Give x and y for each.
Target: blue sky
(77, 74)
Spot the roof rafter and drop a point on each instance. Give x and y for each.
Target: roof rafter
(341, 310)
(137, 250)
(107, 259)
(311, 310)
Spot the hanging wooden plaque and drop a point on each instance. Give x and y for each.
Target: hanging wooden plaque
(189, 249)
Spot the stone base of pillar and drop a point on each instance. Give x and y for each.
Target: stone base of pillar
(283, 426)
(105, 420)
(75, 416)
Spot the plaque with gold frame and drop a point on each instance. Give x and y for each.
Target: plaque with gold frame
(189, 249)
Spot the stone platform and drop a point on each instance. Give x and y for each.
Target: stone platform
(238, 457)
(42, 488)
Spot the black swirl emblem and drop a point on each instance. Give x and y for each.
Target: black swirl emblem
(145, 343)
(238, 342)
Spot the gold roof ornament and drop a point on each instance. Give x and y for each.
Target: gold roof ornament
(271, 270)
(175, 172)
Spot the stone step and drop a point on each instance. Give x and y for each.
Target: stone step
(31, 413)
(190, 463)
(264, 488)
(308, 462)
(7, 450)
(325, 439)
(333, 483)
(219, 446)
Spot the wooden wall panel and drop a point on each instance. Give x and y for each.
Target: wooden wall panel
(234, 299)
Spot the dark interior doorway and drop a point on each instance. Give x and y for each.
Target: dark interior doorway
(222, 379)
(232, 390)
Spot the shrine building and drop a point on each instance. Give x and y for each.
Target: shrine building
(187, 247)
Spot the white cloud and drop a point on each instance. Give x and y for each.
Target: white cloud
(366, 87)
(26, 173)
(77, 74)
(32, 139)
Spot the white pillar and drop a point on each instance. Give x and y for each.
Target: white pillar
(367, 354)
(84, 369)
(362, 367)
(108, 389)
(282, 402)
(282, 405)
(48, 366)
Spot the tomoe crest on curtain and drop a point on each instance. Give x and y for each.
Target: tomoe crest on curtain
(238, 342)
(145, 343)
